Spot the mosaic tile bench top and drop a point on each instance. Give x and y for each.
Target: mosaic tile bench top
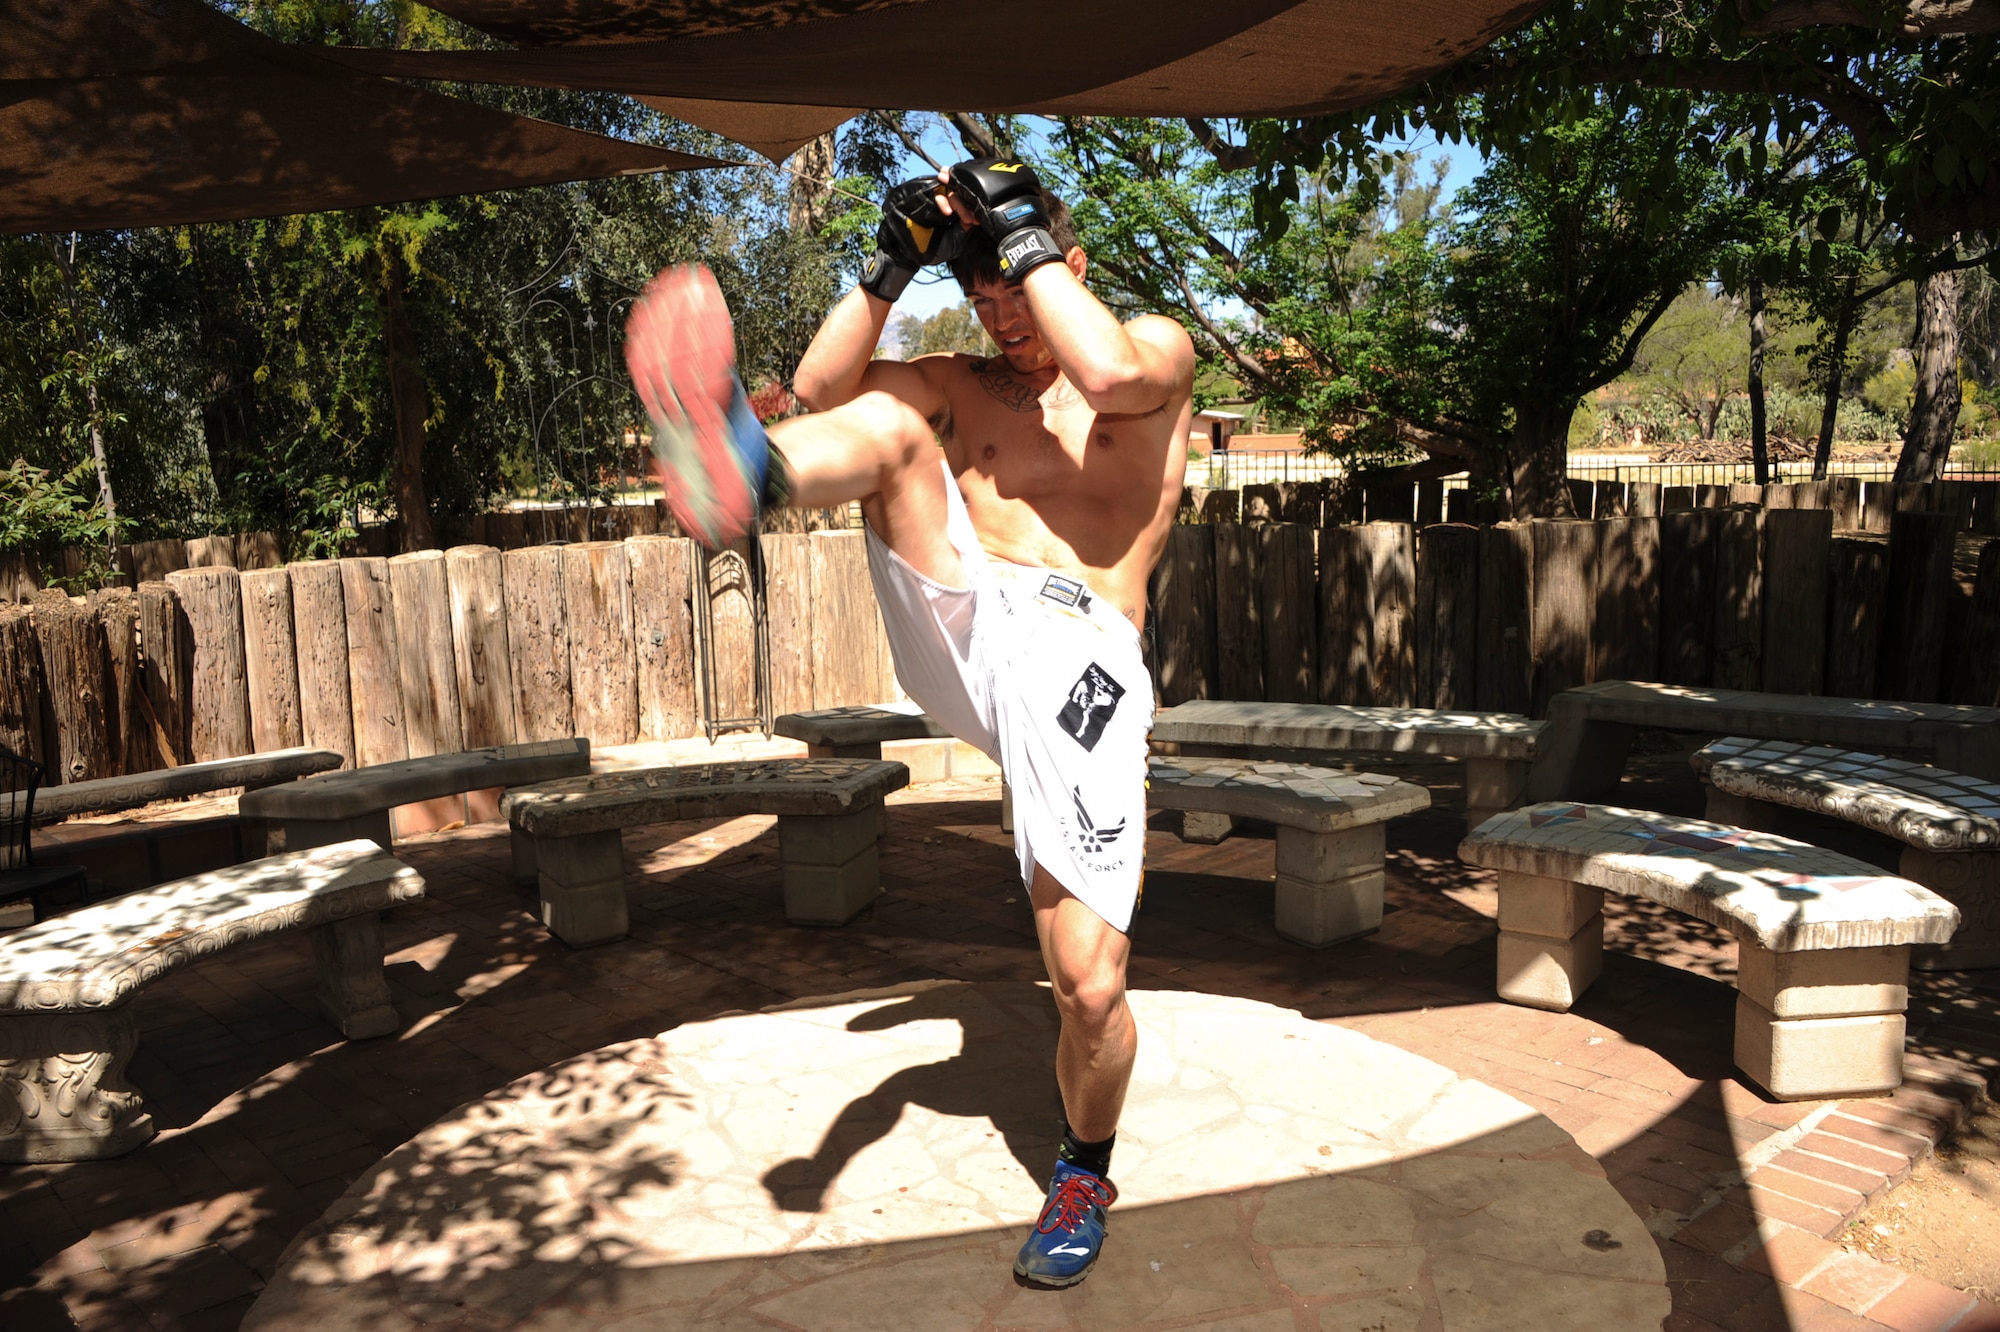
(607, 800)
(99, 956)
(106, 795)
(1689, 708)
(1784, 895)
(1927, 807)
(1292, 794)
(859, 725)
(343, 795)
(1326, 726)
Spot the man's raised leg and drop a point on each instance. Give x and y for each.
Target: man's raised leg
(1086, 962)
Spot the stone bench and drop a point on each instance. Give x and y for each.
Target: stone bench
(1330, 843)
(356, 803)
(1949, 823)
(566, 833)
(66, 1025)
(1823, 940)
(1497, 748)
(1590, 730)
(109, 795)
(860, 732)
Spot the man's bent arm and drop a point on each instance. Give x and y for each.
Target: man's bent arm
(831, 371)
(1113, 369)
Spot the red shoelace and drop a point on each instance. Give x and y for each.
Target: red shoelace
(1072, 1199)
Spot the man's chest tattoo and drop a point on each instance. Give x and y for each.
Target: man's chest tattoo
(1003, 388)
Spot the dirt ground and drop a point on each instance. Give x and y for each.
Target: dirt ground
(1944, 1221)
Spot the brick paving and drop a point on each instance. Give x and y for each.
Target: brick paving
(266, 1117)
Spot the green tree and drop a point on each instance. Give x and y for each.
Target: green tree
(1697, 356)
(952, 329)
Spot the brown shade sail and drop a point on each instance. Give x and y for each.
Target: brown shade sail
(773, 129)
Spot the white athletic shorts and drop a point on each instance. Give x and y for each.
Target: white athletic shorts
(1047, 678)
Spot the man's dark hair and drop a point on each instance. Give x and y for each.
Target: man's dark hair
(980, 260)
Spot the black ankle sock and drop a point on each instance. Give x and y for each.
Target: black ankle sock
(1092, 1156)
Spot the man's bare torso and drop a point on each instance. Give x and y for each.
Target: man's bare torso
(1052, 484)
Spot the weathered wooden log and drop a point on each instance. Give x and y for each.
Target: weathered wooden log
(1644, 499)
(1843, 496)
(1389, 502)
(1675, 499)
(1687, 597)
(20, 580)
(152, 561)
(663, 635)
(507, 531)
(1625, 636)
(1285, 559)
(374, 674)
(1221, 506)
(847, 653)
(211, 552)
(1367, 651)
(1239, 612)
(1976, 677)
(1582, 496)
(426, 665)
(319, 633)
(597, 589)
(1181, 600)
(166, 667)
(1611, 500)
(538, 643)
(1921, 546)
(1746, 493)
(1776, 495)
(270, 661)
(1711, 497)
(1797, 546)
(1430, 503)
(23, 690)
(1459, 506)
(1739, 598)
(1192, 498)
(1344, 501)
(1504, 675)
(258, 550)
(1447, 621)
(788, 587)
(641, 520)
(1565, 599)
(219, 693)
(1301, 501)
(133, 748)
(1261, 504)
(479, 646)
(1857, 590)
(1985, 507)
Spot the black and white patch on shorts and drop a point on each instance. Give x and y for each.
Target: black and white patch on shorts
(1092, 700)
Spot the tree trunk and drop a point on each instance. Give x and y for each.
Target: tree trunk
(811, 184)
(1539, 458)
(1836, 371)
(411, 397)
(1934, 413)
(1760, 451)
(67, 264)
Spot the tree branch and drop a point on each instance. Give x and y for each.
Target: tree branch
(1229, 156)
(909, 142)
(1920, 18)
(977, 141)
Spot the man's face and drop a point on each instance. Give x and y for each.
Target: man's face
(1003, 312)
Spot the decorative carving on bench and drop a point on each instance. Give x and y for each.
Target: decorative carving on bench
(1824, 940)
(66, 1028)
(566, 833)
(1497, 748)
(108, 795)
(1948, 822)
(1330, 843)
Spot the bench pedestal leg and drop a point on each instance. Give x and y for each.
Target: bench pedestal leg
(1329, 885)
(1579, 759)
(582, 883)
(1493, 786)
(63, 1094)
(1821, 1024)
(1551, 943)
(522, 844)
(1208, 829)
(301, 834)
(1740, 811)
(1970, 881)
(352, 990)
(832, 864)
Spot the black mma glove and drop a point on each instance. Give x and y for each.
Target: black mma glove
(1003, 197)
(914, 232)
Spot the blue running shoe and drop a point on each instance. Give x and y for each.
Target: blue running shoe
(715, 461)
(1067, 1238)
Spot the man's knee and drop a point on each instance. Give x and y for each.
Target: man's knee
(897, 428)
(1091, 994)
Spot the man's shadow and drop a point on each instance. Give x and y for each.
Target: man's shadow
(1005, 1072)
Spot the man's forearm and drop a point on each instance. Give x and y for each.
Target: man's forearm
(1095, 352)
(831, 370)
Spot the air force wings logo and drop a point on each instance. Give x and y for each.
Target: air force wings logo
(1092, 700)
(1094, 838)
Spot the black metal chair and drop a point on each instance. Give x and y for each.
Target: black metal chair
(19, 877)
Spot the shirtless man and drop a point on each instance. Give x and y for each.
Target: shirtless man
(1016, 506)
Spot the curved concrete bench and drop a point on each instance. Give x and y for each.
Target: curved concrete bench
(1949, 823)
(342, 805)
(860, 732)
(566, 833)
(1824, 940)
(108, 795)
(1330, 844)
(1497, 748)
(1590, 729)
(66, 1027)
